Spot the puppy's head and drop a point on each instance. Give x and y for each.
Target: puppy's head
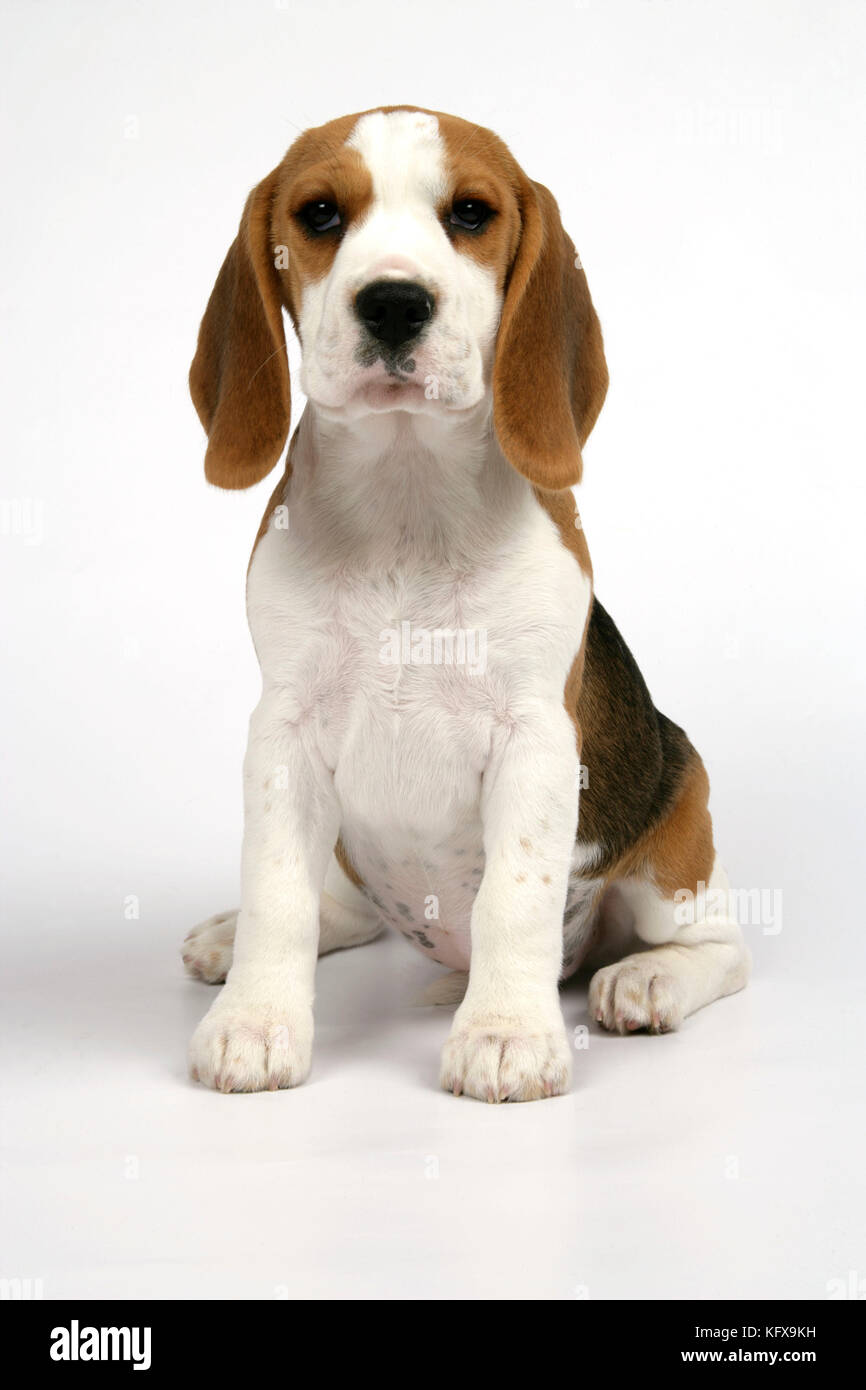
(421, 269)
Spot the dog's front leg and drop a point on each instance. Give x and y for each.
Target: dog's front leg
(258, 1034)
(508, 1040)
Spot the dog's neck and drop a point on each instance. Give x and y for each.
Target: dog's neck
(382, 488)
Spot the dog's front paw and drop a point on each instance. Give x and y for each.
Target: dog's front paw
(239, 1047)
(636, 993)
(207, 949)
(506, 1060)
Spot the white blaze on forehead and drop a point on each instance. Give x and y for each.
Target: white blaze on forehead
(405, 155)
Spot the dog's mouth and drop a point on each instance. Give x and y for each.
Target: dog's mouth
(383, 378)
(390, 379)
(388, 391)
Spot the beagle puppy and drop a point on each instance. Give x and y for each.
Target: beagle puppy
(452, 738)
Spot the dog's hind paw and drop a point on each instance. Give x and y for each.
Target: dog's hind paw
(208, 949)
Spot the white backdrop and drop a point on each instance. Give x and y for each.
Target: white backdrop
(708, 161)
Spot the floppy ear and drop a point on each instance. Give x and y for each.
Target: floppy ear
(549, 374)
(239, 378)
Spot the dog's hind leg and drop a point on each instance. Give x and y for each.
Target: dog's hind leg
(345, 919)
(681, 903)
(701, 957)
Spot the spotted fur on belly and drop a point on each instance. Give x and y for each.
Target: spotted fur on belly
(427, 895)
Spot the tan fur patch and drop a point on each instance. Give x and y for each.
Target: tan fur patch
(480, 166)
(346, 865)
(562, 510)
(318, 166)
(678, 852)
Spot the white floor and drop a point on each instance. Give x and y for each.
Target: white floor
(720, 1161)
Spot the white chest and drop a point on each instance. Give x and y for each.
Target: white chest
(401, 672)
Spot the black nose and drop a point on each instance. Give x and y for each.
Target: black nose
(394, 311)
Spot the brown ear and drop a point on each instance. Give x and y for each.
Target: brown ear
(239, 378)
(549, 376)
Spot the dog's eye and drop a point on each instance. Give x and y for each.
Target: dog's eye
(470, 214)
(321, 216)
